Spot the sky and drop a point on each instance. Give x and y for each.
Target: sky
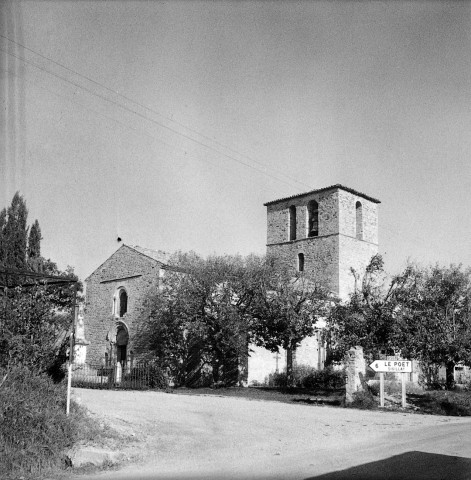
(170, 124)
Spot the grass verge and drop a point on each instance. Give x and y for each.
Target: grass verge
(35, 433)
(455, 403)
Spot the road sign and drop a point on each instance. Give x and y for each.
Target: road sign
(404, 366)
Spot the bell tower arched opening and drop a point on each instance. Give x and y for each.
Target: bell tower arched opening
(313, 219)
(359, 220)
(292, 222)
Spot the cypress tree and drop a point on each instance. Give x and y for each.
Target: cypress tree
(3, 221)
(34, 241)
(16, 233)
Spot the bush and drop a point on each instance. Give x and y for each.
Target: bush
(35, 430)
(363, 400)
(327, 379)
(309, 378)
(276, 379)
(444, 403)
(392, 387)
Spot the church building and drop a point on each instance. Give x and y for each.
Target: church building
(323, 233)
(115, 293)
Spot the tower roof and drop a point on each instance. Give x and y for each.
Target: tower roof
(332, 187)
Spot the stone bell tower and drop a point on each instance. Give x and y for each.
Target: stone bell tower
(324, 233)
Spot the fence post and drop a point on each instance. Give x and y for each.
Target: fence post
(119, 371)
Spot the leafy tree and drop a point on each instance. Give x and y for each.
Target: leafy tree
(423, 314)
(209, 311)
(198, 322)
(286, 310)
(34, 241)
(3, 243)
(435, 317)
(20, 246)
(15, 233)
(34, 318)
(32, 332)
(368, 317)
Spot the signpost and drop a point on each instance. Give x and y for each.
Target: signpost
(397, 366)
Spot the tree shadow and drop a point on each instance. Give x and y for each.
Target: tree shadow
(407, 466)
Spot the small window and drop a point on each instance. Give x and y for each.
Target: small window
(313, 219)
(292, 222)
(300, 262)
(359, 220)
(123, 303)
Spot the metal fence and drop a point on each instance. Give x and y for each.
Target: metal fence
(118, 376)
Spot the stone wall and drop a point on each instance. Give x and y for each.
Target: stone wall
(321, 258)
(347, 216)
(127, 269)
(329, 257)
(262, 362)
(354, 254)
(278, 216)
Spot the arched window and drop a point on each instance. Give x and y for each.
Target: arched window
(123, 302)
(292, 222)
(359, 220)
(300, 262)
(313, 219)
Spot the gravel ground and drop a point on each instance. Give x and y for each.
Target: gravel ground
(207, 436)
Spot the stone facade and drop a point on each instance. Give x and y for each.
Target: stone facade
(126, 276)
(342, 234)
(345, 237)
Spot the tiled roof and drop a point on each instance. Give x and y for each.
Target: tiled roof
(159, 255)
(332, 187)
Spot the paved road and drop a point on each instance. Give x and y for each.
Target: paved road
(210, 437)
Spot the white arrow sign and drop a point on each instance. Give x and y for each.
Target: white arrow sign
(404, 366)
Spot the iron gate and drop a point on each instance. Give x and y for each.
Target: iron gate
(140, 376)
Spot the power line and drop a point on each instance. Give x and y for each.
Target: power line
(144, 106)
(128, 127)
(391, 229)
(263, 170)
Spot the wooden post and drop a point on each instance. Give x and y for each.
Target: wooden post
(71, 350)
(381, 389)
(403, 390)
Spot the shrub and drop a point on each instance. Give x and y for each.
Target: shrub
(445, 403)
(363, 400)
(34, 428)
(256, 383)
(392, 387)
(276, 379)
(309, 378)
(327, 379)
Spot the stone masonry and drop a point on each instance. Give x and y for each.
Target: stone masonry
(329, 256)
(131, 269)
(346, 238)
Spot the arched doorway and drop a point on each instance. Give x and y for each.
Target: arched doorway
(122, 339)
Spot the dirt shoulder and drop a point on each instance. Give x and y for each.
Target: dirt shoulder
(207, 436)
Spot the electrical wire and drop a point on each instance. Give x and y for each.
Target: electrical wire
(262, 170)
